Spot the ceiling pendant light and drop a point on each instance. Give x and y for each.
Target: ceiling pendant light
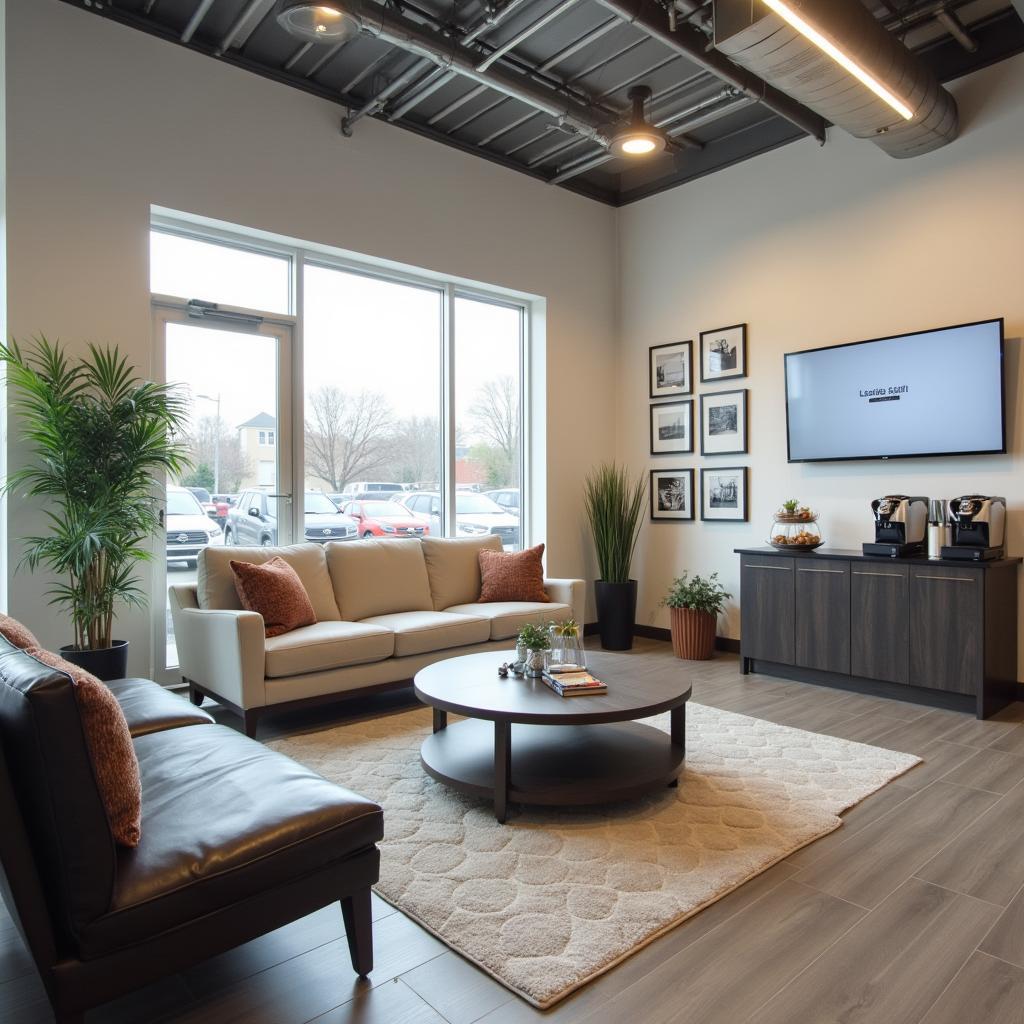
(640, 137)
(317, 21)
(785, 11)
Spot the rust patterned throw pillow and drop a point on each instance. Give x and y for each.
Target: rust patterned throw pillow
(14, 632)
(512, 576)
(275, 591)
(110, 748)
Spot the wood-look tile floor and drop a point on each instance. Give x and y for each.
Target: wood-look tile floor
(912, 912)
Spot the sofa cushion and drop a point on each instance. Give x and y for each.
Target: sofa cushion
(512, 575)
(378, 577)
(508, 617)
(149, 707)
(419, 632)
(224, 818)
(453, 566)
(326, 645)
(16, 633)
(110, 747)
(215, 583)
(274, 591)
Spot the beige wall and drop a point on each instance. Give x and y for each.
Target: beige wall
(104, 121)
(816, 246)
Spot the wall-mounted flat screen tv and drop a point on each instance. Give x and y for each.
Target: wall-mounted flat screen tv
(929, 393)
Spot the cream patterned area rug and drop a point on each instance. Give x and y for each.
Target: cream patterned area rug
(555, 897)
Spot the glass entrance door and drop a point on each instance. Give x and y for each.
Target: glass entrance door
(234, 370)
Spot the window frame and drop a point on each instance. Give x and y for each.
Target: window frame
(302, 254)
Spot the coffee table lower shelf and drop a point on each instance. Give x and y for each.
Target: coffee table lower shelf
(551, 764)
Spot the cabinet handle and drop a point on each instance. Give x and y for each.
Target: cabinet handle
(777, 568)
(835, 572)
(891, 575)
(947, 579)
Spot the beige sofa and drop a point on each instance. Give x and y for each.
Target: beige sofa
(384, 608)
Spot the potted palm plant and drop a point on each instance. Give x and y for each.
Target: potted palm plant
(614, 504)
(695, 605)
(100, 438)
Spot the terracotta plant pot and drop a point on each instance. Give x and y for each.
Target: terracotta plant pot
(693, 634)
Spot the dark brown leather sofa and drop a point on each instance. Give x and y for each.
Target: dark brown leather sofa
(237, 840)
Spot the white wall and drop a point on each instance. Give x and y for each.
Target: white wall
(816, 246)
(104, 121)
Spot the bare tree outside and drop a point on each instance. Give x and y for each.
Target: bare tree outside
(202, 444)
(416, 444)
(348, 436)
(495, 421)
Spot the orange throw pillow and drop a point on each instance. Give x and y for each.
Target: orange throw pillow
(110, 747)
(512, 576)
(14, 632)
(275, 591)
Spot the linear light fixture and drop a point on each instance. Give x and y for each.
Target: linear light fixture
(784, 11)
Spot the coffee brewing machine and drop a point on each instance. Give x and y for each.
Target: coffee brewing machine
(978, 524)
(901, 526)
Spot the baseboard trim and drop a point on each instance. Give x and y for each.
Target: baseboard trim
(722, 643)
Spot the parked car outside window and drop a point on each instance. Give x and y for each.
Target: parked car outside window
(386, 519)
(253, 520)
(475, 515)
(372, 485)
(189, 528)
(507, 498)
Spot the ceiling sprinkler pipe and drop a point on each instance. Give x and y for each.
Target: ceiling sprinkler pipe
(452, 56)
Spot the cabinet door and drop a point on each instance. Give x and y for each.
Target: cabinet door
(880, 622)
(946, 629)
(823, 616)
(766, 609)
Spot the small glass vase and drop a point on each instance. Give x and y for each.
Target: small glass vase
(566, 653)
(535, 664)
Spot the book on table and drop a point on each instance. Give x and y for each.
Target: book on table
(574, 684)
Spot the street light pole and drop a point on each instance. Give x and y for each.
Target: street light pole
(216, 443)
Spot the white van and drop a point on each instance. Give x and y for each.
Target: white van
(363, 486)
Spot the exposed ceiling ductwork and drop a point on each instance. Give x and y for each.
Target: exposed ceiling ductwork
(767, 44)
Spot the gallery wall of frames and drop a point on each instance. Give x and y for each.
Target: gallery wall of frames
(721, 415)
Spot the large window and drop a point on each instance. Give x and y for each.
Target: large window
(411, 388)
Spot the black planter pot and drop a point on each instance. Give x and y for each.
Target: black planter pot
(616, 613)
(106, 663)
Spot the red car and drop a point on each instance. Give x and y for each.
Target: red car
(385, 519)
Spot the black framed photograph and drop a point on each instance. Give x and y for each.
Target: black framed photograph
(672, 495)
(723, 353)
(671, 369)
(723, 423)
(723, 494)
(672, 428)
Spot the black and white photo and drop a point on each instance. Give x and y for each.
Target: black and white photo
(723, 494)
(672, 428)
(723, 423)
(672, 494)
(671, 369)
(723, 353)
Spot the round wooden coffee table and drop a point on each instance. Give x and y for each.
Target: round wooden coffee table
(546, 749)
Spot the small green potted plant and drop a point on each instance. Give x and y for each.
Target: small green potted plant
(536, 641)
(695, 604)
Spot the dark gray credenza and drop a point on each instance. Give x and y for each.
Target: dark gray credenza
(935, 631)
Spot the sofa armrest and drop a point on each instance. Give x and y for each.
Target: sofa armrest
(220, 650)
(570, 592)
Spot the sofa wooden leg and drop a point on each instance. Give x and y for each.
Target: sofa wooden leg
(355, 910)
(250, 721)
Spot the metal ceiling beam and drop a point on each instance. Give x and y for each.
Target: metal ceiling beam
(422, 42)
(328, 55)
(480, 113)
(202, 9)
(297, 56)
(457, 102)
(376, 103)
(605, 61)
(582, 43)
(519, 121)
(520, 37)
(239, 24)
(690, 43)
(368, 70)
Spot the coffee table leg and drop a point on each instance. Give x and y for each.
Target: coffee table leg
(677, 726)
(502, 768)
(440, 719)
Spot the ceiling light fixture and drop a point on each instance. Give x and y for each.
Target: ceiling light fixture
(640, 137)
(316, 21)
(784, 11)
